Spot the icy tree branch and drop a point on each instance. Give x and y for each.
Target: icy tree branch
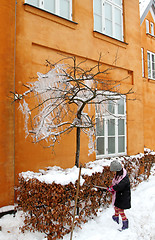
(57, 102)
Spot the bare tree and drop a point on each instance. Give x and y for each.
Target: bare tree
(59, 100)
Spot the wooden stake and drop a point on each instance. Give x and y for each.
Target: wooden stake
(76, 199)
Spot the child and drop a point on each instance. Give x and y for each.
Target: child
(120, 189)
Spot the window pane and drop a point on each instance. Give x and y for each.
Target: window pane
(147, 26)
(118, 24)
(108, 19)
(108, 27)
(111, 127)
(118, 32)
(142, 53)
(99, 127)
(153, 66)
(149, 65)
(121, 144)
(49, 5)
(148, 57)
(108, 11)
(152, 29)
(153, 62)
(121, 129)
(111, 106)
(117, 16)
(97, 5)
(111, 131)
(34, 2)
(97, 23)
(111, 145)
(64, 8)
(100, 145)
(118, 2)
(121, 106)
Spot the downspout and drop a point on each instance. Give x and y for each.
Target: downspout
(14, 92)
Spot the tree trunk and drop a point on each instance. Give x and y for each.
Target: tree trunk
(76, 201)
(77, 146)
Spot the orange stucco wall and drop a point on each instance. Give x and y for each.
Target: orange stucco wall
(40, 36)
(7, 28)
(148, 44)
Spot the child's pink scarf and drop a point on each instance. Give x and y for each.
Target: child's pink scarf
(116, 181)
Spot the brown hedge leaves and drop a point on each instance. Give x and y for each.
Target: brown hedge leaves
(49, 207)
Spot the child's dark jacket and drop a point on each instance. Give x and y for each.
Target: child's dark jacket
(123, 194)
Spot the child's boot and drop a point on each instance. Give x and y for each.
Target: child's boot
(125, 224)
(115, 218)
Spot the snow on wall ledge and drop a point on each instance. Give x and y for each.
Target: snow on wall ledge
(65, 176)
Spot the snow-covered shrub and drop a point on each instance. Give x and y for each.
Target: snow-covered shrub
(47, 197)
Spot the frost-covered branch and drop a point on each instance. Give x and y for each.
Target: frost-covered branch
(63, 99)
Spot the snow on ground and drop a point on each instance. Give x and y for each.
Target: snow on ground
(141, 220)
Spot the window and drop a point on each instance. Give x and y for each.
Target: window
(147, 26)
(142, 54)
(151, 65)
(108, 17)
(111, 128)
(62, 8)
(152, 29)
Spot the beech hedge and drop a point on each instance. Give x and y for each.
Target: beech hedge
(49, 208)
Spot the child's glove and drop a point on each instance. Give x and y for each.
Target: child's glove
(110, 189)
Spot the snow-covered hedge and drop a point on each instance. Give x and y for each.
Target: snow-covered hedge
(47, 197)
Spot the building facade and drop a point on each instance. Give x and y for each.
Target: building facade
(40, 30)
(148, 71)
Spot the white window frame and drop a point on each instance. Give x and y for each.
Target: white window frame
(116, 117)
(151, 71)
(57, 7)
(142, 55)
(147, 26)
(152, 28)
(103, 29)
